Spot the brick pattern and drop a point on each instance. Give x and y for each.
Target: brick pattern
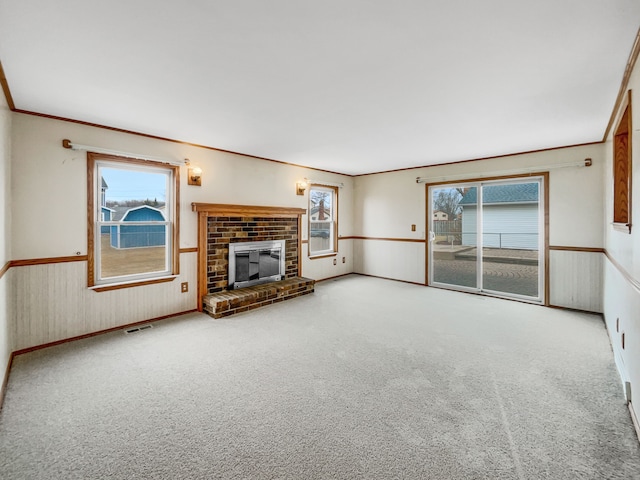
(223, 304)
(223, 230)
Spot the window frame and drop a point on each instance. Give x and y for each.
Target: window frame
(333, 242)
(172, 212)
(622, 165)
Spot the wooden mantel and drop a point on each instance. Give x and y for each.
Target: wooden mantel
(206, 210)
(222, 210)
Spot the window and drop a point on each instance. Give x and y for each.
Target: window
(622, 169)
(323, 220)
(133, 234)
(493, 238)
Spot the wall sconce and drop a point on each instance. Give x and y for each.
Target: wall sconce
(194, 176)
(301, 186)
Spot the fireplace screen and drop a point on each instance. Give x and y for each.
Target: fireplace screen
(255, 263)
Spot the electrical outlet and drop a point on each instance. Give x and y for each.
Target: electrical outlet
(184, 287)
(413, 228)
(344, 259)
(335, 262)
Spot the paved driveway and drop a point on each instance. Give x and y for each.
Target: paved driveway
(501, 272)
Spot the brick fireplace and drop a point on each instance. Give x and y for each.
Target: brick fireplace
(218, 226)
(223, 230)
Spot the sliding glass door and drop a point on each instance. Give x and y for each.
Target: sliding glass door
(488, 237)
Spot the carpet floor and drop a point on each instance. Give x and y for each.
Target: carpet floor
(364, 379)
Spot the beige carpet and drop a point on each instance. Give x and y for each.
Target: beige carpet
(365, 379)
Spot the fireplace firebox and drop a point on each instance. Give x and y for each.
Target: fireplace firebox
(253, 263)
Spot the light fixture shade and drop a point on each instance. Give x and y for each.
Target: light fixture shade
(301, 186)
(194, 176)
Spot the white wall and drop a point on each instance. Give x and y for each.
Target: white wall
(622, 269)
(49, 219)
(388, 203)
(6, 341)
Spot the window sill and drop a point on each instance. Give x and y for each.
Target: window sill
(105, 287)
(323, 255)
(622, 227)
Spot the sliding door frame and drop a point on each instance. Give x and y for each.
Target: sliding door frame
(545, 213)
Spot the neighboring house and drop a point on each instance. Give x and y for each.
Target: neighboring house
(103, 191)
(510, 216)
(107, 215)
(322, 218)
(131, 236)
(439, 215)
(320, 214)
(105, 212)
(135, 236)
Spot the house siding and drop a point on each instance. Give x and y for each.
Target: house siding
(135, 236)
(505, 226)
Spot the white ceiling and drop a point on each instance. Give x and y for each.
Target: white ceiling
(351, 86)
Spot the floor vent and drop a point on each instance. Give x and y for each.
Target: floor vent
(138, 329)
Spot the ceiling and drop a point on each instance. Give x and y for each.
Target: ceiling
(350, 86)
